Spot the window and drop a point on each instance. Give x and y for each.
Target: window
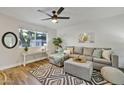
(32, 38)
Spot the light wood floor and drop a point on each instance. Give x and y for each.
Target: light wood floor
(20, 75)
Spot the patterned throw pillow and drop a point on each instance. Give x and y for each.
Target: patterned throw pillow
(78, 50)
(97, 53)
(106, 54)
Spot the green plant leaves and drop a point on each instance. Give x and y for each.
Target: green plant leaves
(57, 41)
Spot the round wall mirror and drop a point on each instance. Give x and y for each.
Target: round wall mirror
(9, 40)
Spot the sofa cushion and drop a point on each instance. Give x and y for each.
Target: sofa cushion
(78, 50)
(106, 54)
(74, 55)
(57, 57)
(97, 53)
(88, 51)
(89, 58)
(71, 49)
(101, 60)
(66, 56)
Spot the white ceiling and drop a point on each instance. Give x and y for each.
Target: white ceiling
(77, 15)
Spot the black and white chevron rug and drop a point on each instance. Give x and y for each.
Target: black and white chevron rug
(49, 74)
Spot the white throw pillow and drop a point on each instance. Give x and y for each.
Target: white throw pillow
(106, 54)
(67, 52)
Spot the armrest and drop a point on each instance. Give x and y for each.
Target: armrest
(114, 59)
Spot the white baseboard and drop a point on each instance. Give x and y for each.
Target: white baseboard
(20, 63)
(10, 66)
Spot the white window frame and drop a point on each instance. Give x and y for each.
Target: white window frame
(20, 46)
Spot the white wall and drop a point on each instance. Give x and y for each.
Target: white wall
(109, 32)
(13, 57)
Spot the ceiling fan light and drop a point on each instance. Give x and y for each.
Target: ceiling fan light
(54, 20)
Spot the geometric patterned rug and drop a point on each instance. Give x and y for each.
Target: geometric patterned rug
(49, 74)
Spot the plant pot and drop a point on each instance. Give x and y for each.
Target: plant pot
(26, 49)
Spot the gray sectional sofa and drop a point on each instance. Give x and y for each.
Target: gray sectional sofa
(98, 62)
(90, 54)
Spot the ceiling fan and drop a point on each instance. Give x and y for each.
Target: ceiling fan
(55, 16)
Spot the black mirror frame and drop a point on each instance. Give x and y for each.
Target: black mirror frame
(4, 42)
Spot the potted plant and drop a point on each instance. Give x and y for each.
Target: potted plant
(26, 49)
(57, 42)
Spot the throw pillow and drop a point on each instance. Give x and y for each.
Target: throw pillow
(106, 54)
(97, 53)
(67, 52)
(71, 50)
(78, 50)
(88, 51)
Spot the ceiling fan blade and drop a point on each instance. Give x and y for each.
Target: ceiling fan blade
(60, 10)
(44, 13)
(63, 17)
(46, 19)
